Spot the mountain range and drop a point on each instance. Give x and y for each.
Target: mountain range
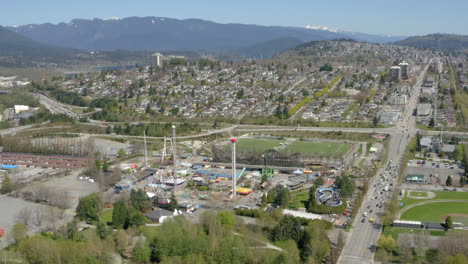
(130, 40)
(167, 34)
(444, 42)
(17, 50)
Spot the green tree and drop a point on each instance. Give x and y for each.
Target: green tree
(141, 253)
(282, 196)
(240, 94)
(121, 153)
(7, 185)
(387, 243)
(346, 184)
(320, 181)
(139, 200)
(120, 215)
(326, 67)
(102, 230)
(88, 207)
(457, 259)
(448, 182)
(173, 204)
(19, 232)
(227, 219)
(312, 203)
(449, 222)
(135, 218)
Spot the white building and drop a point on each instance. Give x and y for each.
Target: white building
(20, 108)
(157, 60)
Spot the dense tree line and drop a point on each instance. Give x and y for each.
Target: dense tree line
(154, 129)
(17, 97)
(279, 195)
(68, 97)
(60, 95)
(44, 115)
(218, 238)
(110, 110)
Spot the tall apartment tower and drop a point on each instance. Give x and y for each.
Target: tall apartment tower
(438, 66)
(404, 69)
(395, 73)
(157, 60)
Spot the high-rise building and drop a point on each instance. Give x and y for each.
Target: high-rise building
(157, 60)
(438, 66)
(404, 69)
(395, 73)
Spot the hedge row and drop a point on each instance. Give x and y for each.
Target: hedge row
(318, 94)
(328, 209)
(328, 87)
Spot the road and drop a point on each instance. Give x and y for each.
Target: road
(364, 235)
(56, 107)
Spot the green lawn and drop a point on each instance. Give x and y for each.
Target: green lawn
(440, 195)
(418, 194)
(106, 216)
(150, 232)
(319, 149)
(298, 200)
(395, 231)
(434, 212)
(257, 145)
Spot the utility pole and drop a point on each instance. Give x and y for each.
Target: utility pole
(146, 149)
(234, 179)
(174, 154)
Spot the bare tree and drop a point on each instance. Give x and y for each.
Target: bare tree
(39, 216)
(24, 216)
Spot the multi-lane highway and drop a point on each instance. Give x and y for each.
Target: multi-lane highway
(363, 236)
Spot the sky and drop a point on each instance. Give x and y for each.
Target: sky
(389, 17)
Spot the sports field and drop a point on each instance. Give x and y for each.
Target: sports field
(318, 149)
(435, 212)
(257, 145)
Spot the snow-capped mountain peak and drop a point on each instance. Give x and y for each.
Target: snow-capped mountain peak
(325, 28)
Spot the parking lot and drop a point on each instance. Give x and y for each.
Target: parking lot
(435, 173)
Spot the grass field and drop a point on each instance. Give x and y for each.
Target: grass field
(106, 216)
(419, 194)
(396, 231)
(440, 195)
(298, 200)
(434, 212)
(318, 149)
(257, 145)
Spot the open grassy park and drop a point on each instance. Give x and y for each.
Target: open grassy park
(318, 149)
(435, 212)
(439, 195)
(438, 206)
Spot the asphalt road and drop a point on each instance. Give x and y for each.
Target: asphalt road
(363, 235)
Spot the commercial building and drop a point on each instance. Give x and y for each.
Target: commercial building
(395, 73)
(424, 109)
(404, 69)
(414, 178)
(389, 117)
(398, 99)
